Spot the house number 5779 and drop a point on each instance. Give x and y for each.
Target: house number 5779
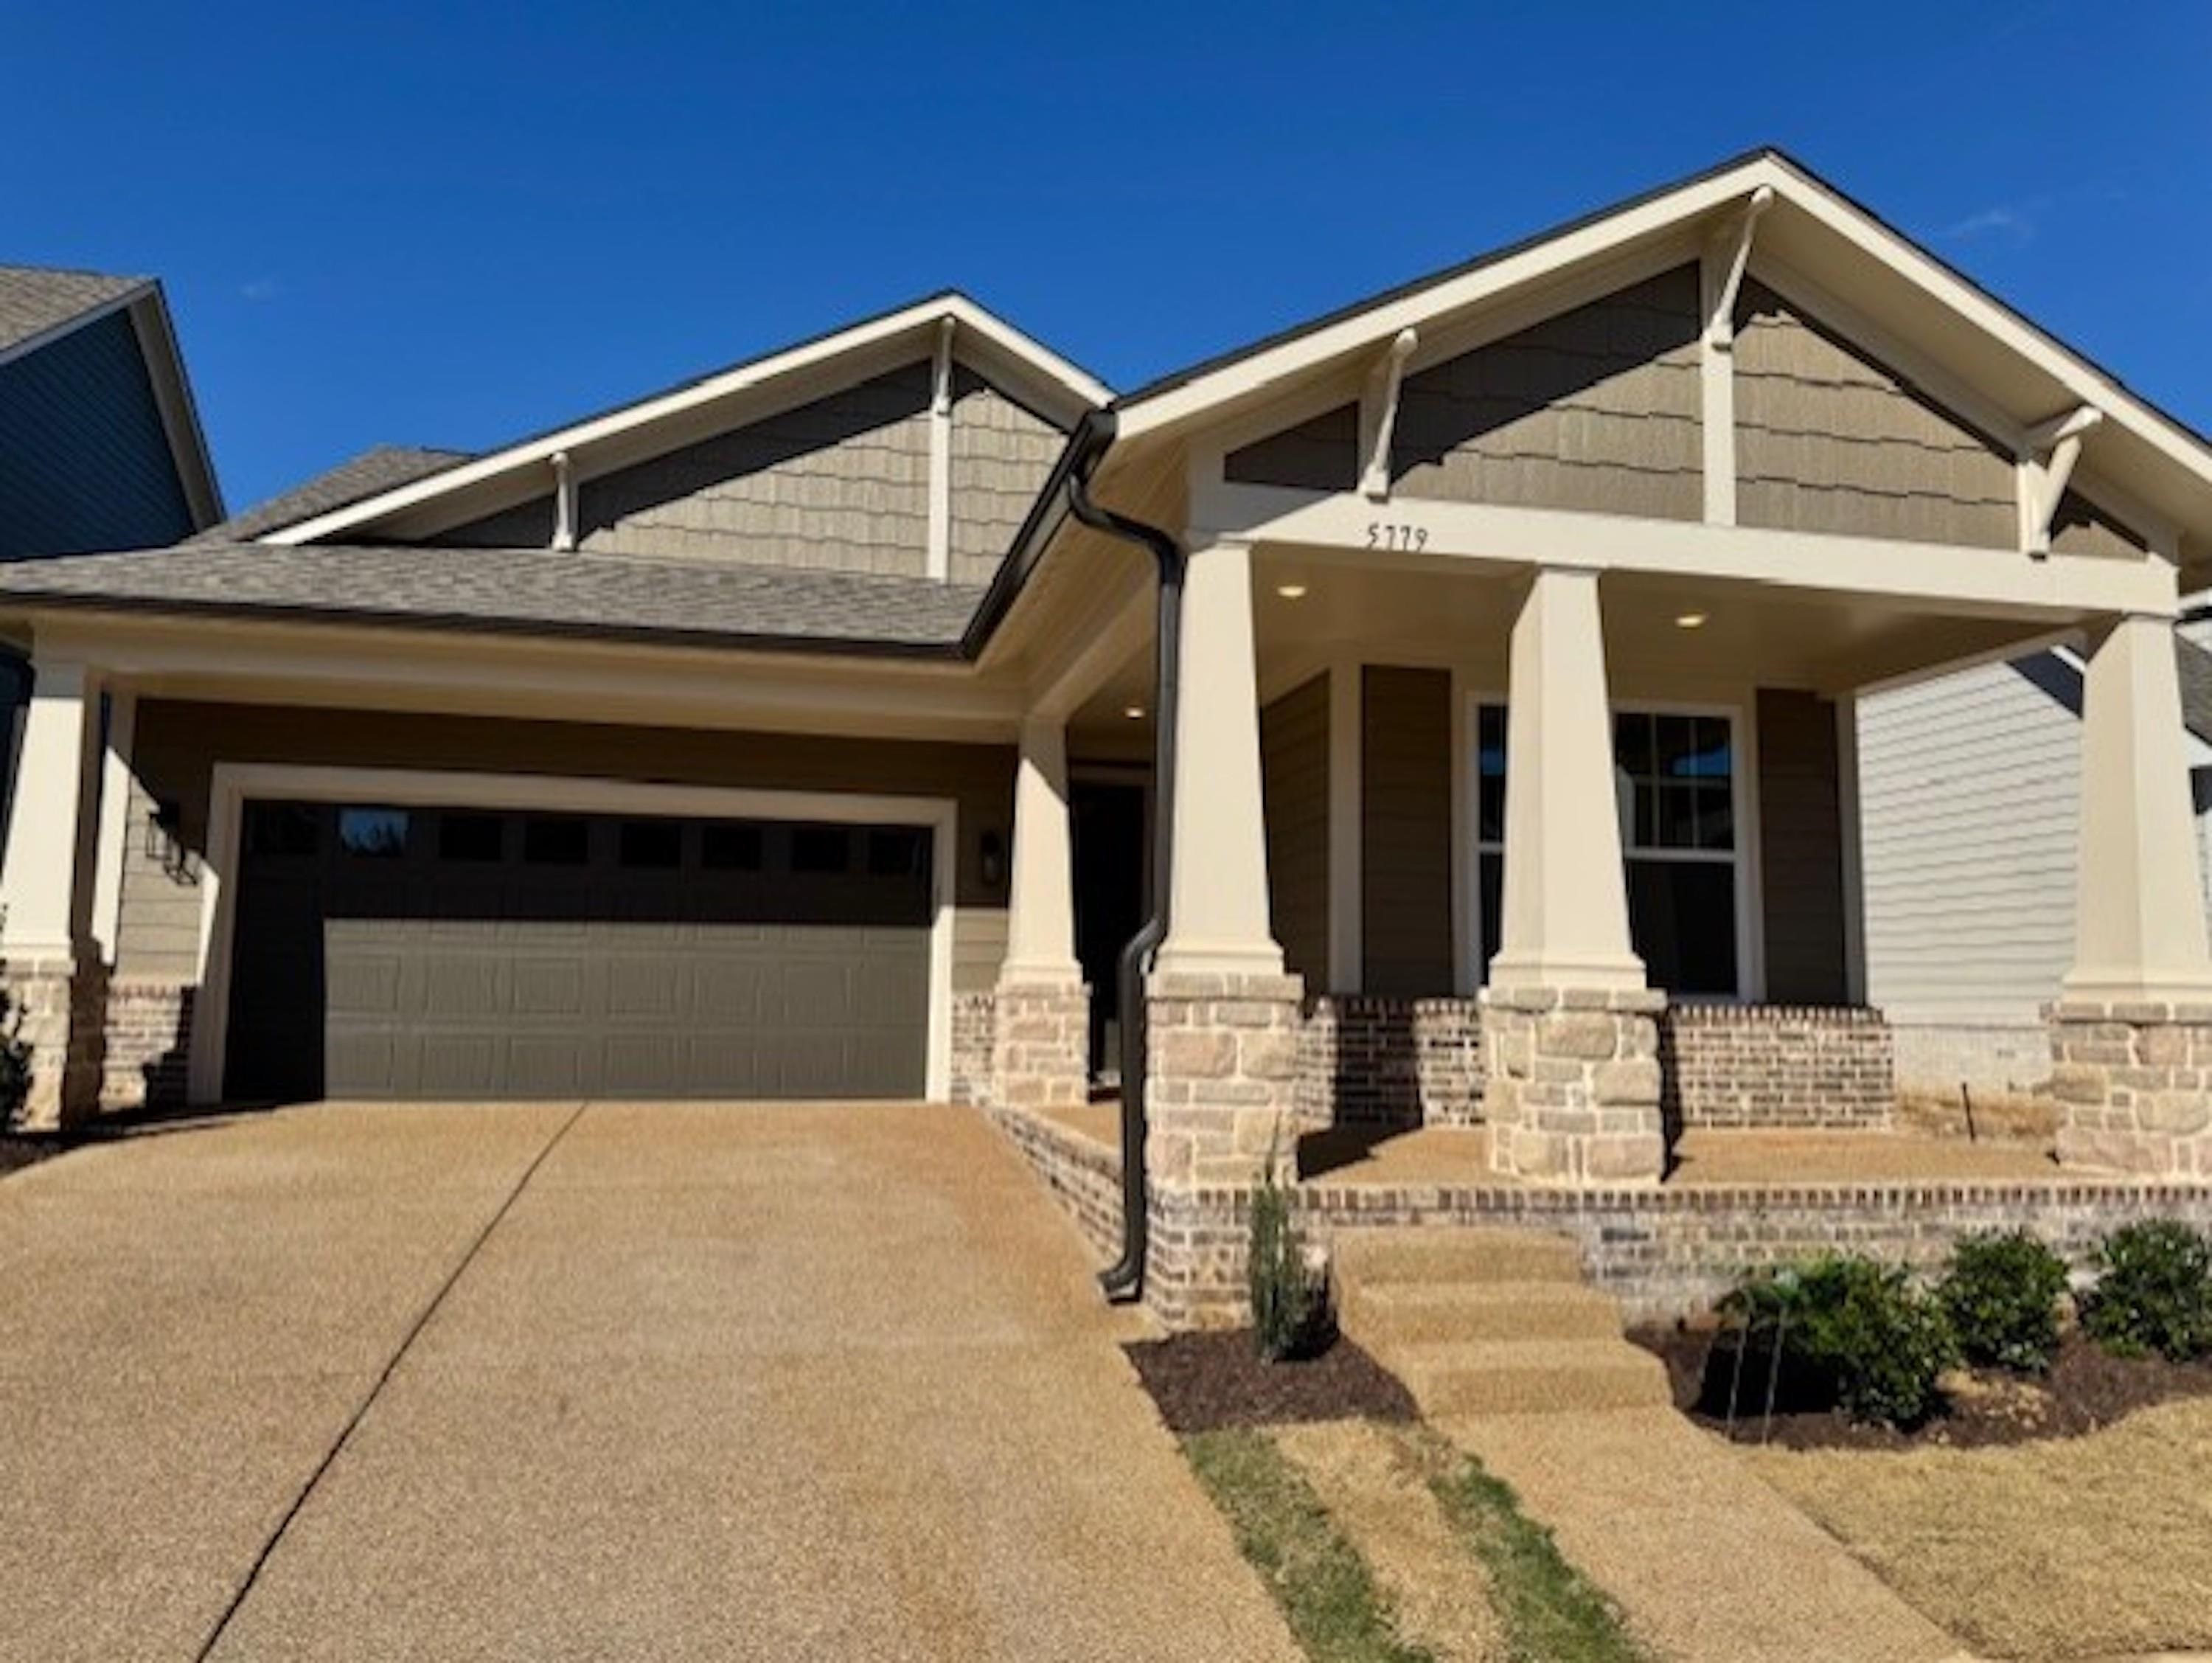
(1389, 534)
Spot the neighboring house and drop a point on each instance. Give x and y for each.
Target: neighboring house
(100, 447)
(1970, 807)
(790, 732)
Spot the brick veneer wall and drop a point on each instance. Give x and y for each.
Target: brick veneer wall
(148, 1046)
(1083, 1175)
(1778, 1066)
(1390, 1062)
(974, 1035)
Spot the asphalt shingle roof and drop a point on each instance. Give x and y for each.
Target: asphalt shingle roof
(34, 299)
(386, 467)
(523, 591)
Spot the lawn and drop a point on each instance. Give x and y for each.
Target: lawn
(2069, 1548)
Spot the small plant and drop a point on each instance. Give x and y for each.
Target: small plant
(2154, 1292)
(2002, 1295)
(1290, 1315)
(1859, 1332)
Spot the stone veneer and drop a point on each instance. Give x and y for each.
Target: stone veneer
(974, 1045)
(1222, 1063)
(1390, 1062)
(1041, 1050)
(1778, 1066)
(1573, 1088)
(146, 1062)
(2134, 1086)
(58, 1004)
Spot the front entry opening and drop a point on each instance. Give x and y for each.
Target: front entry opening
(1108, 821)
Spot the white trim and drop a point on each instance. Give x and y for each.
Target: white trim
(1721, 267)
(1074, 391)
(564, 502)
(1378, 415)
(232, 783)
(1348, 969)
(115, 782)
(939, 556)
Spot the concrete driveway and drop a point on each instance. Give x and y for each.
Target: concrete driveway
(658, 1381)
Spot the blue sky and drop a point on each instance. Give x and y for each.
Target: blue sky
(458, 224)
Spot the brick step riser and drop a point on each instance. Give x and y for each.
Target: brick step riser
(1376, 1321)
(1398, 1263)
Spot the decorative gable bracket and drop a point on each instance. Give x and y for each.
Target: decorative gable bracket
(1723, 272)
(1378, 414)
(2046, 466)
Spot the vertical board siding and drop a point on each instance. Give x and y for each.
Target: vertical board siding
(1406, 821)
(1828, 440)
(85, 461)
(1801, 848)
(1001, 453)
(1969, 796)
(1597, 408)
(1295, 783)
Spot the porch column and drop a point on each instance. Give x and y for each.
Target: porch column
(2132, 1032)
(1223, 1019)
(1569, 1028)
(52, 974)
(1040, 1039)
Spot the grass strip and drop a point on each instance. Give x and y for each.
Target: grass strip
(1552, 1613)
(1321, 1585)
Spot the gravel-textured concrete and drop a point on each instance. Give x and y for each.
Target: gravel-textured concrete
(724, 1381)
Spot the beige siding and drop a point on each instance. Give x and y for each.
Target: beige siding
(1800, 849)
(1001, 453)
(1294, 771)
(178, 745)
(1969, 806)
(1827, 440)
(840, 484)
(1406, 854)
(1321, 453)
(1597, 408)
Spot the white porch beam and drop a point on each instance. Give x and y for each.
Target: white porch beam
(42, 913)
(1933, 577)
(1378, 414)
(1721, 269)
(115, 782)
(1041, 900)
(2139, 920)
(940, 453)
(1218, 886)
(2046, 468)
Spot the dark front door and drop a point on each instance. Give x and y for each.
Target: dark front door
(1108, 824)
(427, 953)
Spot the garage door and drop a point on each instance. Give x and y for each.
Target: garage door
(445, 954)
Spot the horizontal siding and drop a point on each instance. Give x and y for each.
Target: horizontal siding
(1001, 453)
(1294, 775)
(1597, 408)
(1828, 440)
(1405, 832)
(84, 458)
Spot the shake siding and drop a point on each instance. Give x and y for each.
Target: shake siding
(1321, 453)
(1800, 849)
(1001, 453)
(1597, 408)
(2080, 526)
(1294, 778)
(1827, 440)
(1405, 819)
(1969, 811)
(177, 744)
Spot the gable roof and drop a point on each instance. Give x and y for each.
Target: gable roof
(380, 468)
(35, 300)
(748, 391)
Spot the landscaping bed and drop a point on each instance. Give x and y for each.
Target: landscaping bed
(2088, 1388)
(1212, 1381)
(17, 1152)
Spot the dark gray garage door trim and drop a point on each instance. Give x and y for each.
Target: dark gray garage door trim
(232, 784)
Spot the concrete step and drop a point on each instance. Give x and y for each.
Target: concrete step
(1448, 1253)
(1501, 1377)
(1384, 1315)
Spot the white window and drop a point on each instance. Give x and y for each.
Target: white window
(1678, 788)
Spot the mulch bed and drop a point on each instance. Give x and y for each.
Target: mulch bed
(17, 1153)
(2087, 1388)
(1206, 1382)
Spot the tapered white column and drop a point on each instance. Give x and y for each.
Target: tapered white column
(2139, 917)
(1565, 919)
(114, 816)
(42, 914)
(1220, 921)
(1041, 909)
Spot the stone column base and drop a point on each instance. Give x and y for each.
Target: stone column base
(59, 1015)
(1223, 1063)
(2134, 1086)
(1041, 1045)
(1572, 1084)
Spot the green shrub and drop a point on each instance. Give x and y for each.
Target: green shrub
(1290, 1313)
(1858, 1331)
(2153, 1291)
(2001, 1296)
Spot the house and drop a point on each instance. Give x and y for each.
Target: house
(1482, 657)
(1970, 799)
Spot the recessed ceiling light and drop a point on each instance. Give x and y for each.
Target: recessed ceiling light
(1690, 621)
(1290, 591)
(1134, 712)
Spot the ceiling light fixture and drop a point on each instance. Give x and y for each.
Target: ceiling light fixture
(1290, 591)
(1690, 621)
(1134, 712)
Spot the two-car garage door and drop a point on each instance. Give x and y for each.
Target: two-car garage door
(390, 951)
